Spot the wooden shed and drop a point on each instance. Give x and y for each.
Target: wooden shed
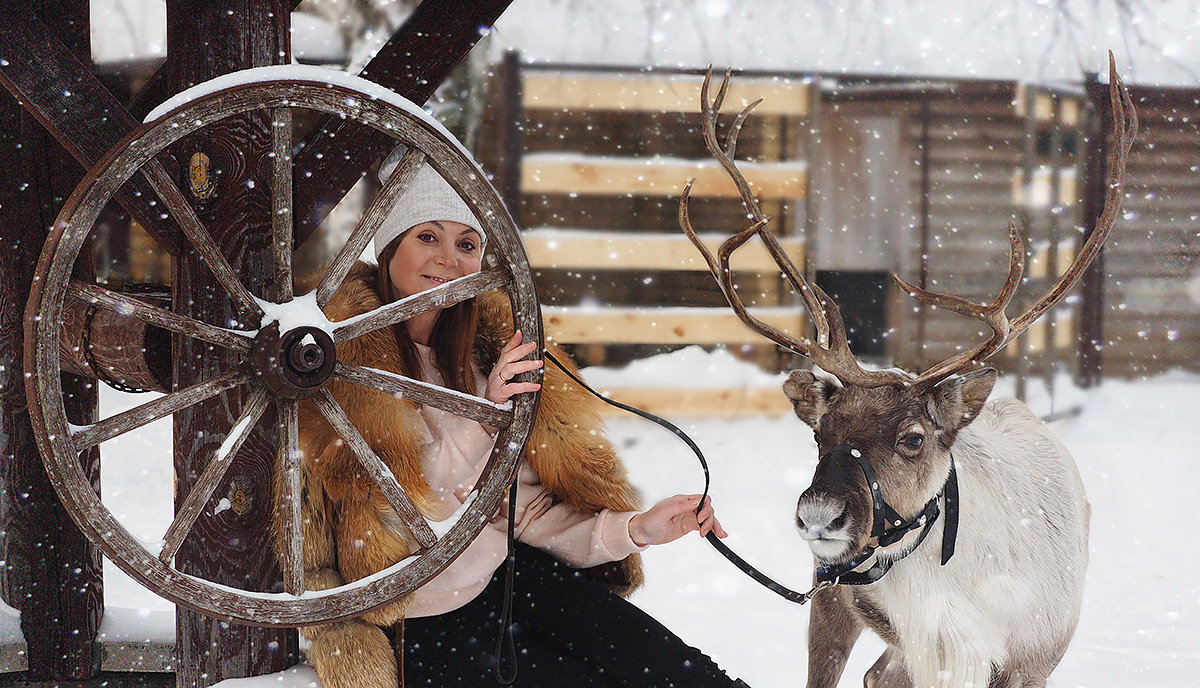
(913, 176)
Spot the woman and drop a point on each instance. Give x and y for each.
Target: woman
(577, 524)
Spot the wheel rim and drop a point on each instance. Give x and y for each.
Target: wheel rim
(60, 443)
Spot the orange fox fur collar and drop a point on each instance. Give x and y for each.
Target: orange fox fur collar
(344, 537)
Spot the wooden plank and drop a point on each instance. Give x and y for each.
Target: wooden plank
(663, 325)
(441, 296)
(160, 407)
(589, 250)
(290, 519)
(187, 512)
(368, 226)
(376, 469)
(280, 283)
(1038, 336)
(475, 408)
(1039, 259)
(127, 305)
(556, 174)
(658, 93)
(700, 402)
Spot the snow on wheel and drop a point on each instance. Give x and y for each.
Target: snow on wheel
(290, 352)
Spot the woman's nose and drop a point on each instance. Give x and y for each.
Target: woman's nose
(445, 255)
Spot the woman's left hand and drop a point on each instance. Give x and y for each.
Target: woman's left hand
(500, 385)
(672, 518)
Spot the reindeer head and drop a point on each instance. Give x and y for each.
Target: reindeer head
(904, 436)
(901, 425)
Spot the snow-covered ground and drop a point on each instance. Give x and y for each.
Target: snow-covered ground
(1134, 441)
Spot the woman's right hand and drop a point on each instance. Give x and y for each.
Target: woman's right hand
(500, 386)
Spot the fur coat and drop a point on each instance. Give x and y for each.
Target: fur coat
(345, 538)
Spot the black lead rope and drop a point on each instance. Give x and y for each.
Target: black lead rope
(825, 576)
(506, 645)
(759, 576)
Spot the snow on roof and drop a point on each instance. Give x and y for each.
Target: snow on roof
(1042, 41)
(137, 29)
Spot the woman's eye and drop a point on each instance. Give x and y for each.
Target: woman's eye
(468, 246)
(426, 237)
(912, 441)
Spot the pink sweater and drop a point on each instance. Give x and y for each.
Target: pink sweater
(455, 452)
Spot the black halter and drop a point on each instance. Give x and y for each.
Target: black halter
(890, 527)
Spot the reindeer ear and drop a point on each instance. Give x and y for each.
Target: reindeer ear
(957, 401)
(809, 394)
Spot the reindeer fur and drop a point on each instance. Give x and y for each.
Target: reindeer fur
(1001, 612)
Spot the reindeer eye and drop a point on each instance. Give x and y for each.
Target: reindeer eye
(912, 441)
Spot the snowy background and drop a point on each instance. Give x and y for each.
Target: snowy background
(1134, 442)
(1042, 41)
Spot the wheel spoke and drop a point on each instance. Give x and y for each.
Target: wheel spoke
(290, 518)
(281, 205)
(91, 435)
(201, 240)
(213, 473)
(465, 405)
(372, 219)
(440, 296)
(375, 467)
(155, 315)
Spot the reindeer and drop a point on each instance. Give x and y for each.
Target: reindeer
(905, 458)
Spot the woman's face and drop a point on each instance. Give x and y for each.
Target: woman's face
(433, 253)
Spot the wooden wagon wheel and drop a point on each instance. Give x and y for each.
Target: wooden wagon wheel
(290, 354)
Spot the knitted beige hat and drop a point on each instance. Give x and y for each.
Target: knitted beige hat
(428, 198)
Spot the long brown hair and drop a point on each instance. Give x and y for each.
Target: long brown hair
(452, 339)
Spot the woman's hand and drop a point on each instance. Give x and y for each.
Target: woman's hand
(499, 383)
(672, 518)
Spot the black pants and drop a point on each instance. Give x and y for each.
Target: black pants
(570, 632)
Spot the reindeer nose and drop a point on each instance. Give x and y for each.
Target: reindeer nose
(820, 523)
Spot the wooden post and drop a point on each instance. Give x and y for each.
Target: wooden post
(206, 40)
(1091, 306)
(510, 146)
(922, 352)
(50, 572)
(1025, 224)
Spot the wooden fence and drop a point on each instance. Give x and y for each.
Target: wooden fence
(621, 263)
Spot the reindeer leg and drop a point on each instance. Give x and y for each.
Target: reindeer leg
(888, 672)
(832, 631)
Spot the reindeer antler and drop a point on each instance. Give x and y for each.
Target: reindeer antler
(1125, 127)
(831, 351)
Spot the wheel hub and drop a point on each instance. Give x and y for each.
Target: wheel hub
(296, 364)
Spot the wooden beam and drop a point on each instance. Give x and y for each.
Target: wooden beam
(700, 325)
(413, 63)
(60, 91)
(585, 91)
(234, 546)
(592, 250)
(557, 174)
(52, 574)
(704, 402)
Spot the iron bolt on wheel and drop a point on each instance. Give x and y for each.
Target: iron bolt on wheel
(285, 356)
